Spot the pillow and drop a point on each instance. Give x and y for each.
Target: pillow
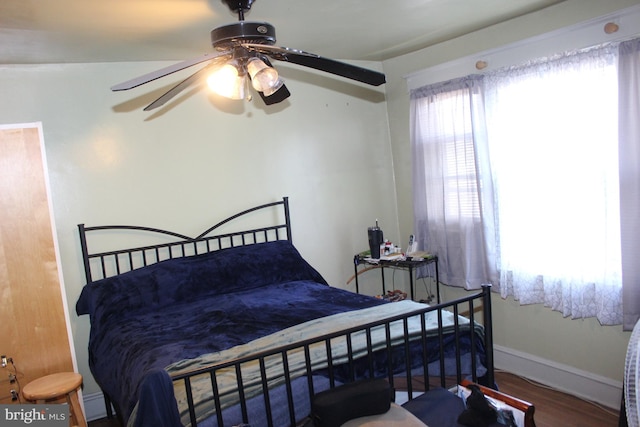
(128, 293)
(246, 267)
(180, 279)
(397, 416)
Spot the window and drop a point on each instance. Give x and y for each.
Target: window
(537, 163)
(461, 177)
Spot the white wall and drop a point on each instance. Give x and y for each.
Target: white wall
(200, 160)
(580, 345)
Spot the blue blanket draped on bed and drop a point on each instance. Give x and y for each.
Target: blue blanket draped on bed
(146, 319)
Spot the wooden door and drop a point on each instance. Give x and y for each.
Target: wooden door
(34, 322)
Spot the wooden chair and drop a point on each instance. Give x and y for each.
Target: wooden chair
(54, 387)
(518, 404)
(440, 407)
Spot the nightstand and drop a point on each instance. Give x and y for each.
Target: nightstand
(409, 263)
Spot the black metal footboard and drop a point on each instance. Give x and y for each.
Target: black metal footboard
(397, 362)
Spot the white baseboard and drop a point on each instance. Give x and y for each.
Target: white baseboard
(94, 408)
(568, 379)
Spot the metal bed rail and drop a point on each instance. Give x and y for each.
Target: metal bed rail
(469, 304)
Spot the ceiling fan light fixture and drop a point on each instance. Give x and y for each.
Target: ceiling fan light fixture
(238, 44)
(263, 77)
(274, 88)
(228, 81)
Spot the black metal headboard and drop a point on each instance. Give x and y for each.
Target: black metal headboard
(176, 245)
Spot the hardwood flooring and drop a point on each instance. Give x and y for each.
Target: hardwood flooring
(553, 408)
(103, 422)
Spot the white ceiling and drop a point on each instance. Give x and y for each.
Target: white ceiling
(64, 31)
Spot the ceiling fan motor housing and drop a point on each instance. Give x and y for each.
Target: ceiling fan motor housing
(243, 32)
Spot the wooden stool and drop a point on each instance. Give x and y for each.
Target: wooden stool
(55, 386)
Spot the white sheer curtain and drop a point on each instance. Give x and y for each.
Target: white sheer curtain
(553, 131)
(449, 167)
(629, 89)
(518, 182)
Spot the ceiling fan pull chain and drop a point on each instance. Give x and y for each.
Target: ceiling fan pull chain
(239, 6)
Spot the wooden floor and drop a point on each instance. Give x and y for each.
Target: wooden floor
(553, 408)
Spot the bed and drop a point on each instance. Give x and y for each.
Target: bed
(235, 327)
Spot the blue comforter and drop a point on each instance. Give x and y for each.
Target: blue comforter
(144, 320)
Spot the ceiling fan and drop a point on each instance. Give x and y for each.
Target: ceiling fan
(241, 53)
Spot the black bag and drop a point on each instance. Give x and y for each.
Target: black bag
(332, 408)
(479, 412)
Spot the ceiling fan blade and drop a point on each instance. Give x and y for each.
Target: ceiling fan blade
(149, 77)
(311, 60)
(202, 73)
